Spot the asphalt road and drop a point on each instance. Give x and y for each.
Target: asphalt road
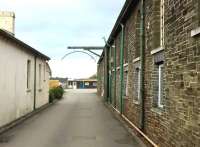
(79, 120)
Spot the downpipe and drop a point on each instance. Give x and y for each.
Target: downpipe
(122, 70)
(142, 66)
(35, 68)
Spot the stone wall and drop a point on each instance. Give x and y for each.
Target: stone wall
(176, 123)
(7, 21)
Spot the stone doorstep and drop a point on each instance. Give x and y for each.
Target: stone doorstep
(20, 120)
(130, 130)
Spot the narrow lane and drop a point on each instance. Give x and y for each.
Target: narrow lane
(79, 120)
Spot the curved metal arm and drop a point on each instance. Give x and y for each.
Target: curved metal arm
(78, 52)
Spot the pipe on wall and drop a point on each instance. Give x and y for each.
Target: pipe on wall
(110, 76)
(122, 70)
(35, 68)
(136, 128)
(115, 74)
(142, 55)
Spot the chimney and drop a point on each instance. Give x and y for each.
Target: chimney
(7, 22)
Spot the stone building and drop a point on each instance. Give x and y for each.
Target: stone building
(150, 70)
(24, 74)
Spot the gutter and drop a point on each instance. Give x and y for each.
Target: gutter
(115, 75)
(122, 70)
(142, 56)
(35, 68)
(121, 18)
(110, 76)
(21, 43)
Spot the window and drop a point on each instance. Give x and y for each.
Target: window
(87, 83)
(126, 83)
(40, 76)
(137, 85)
(162, 30)
(160, 86)
(94, 84)
(28, 73)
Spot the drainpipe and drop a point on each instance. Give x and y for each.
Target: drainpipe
(122, 70)
(110, 77)
(34, 103)
(142, 55)
(115, 75)
(106, 72)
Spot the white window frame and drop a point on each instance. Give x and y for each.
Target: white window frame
(160, 66)
(137, 70)
(127, 84)
(139, 84)
(162, 21)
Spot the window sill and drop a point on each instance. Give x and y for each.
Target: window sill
(195, 32)
(28, 90)
(125, 97)
(157, 110)
(136, 102)
(136, 60)
(157, 50)
(126, 64)
(40, 90)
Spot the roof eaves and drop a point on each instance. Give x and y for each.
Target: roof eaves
(117, 24)
(11, 37)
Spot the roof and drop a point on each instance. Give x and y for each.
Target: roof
(21, 43)
(84, 80)
(122, 18)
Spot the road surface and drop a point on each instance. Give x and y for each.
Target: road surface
(79, 120)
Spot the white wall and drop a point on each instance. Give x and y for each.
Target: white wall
(42, 92)
(15, 99)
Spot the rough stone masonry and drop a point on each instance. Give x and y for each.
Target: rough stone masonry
(171, 71)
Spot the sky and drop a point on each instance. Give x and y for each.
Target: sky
(51, 26)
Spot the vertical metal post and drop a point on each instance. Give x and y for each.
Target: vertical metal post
(110, 77)
(115, 73)
(35, 80)
(122, 70)
(142, 54)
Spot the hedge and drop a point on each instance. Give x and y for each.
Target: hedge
(56, 93)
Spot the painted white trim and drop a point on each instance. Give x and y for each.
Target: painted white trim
(138, 74)
(195, 32)
(157, 50)
(126, 64)
(159, 85)
(136, 59)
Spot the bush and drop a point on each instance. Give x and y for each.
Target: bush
(55, 93)
(51, 95)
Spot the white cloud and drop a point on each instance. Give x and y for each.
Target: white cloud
(73, 68)
(52, 25)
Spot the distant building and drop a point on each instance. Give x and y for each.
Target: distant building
(63, 81)
(24, 74)
(82, 84)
